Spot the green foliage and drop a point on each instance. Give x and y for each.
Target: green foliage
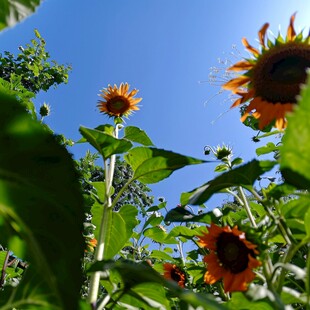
(244, 176)
(137, 135)
(46, 214)
(44, 218)
(294, 163)
(104, 142)
(12, 12)
(133, 274)
(32, 70)
(151, 165)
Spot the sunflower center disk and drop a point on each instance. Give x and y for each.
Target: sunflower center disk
(232, 252)
(118, 105)
(280, 71)
(175, 276)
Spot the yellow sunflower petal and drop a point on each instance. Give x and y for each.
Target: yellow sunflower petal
(245, 96)
(291, 34)
(250, 48)
(241, 66)
(262, 33)
(234, 84)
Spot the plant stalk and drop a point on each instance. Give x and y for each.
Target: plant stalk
(104, 225)
(246, 206)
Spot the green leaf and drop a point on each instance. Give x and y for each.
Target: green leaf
(134, 274)
(239, 301)
(119, 229)
(104, 143)
(281, 190)
(40, 201)
(152, 294)
(3, 257)
(221, 168)
(296, 208)
(294, 159)
(12, 12)
(159, 235)
(188, 233)
(137, 135)
(129, 213)
(152, 165)
(161, 256)
(237, 161)
(146, 296)
(244, 176)
(100, 191)
(180, 214)
(266, 149)
(307, 221)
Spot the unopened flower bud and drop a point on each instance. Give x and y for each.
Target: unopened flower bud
(45, 109)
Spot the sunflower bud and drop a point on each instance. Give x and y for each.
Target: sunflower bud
(223, 152)
(45, 109)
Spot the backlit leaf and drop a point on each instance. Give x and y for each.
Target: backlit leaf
(152, 165)
(14, 11)
(137, 135)
(104, 143)
(294, 159)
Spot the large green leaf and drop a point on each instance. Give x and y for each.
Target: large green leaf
(294, 159)
(137, 135)
(134, 274)
(14, 11)
(146, 296)
(104, 143)
(119, 227)
(157, 234)
(152, 165)
(239, 301)
(41, 201)
(244, 176)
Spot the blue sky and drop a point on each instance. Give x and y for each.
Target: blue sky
(164, 48)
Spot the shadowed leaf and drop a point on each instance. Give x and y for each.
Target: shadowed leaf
(41, 202)
(244, 176)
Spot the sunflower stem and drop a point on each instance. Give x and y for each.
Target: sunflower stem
(104, 224)
(247, 207)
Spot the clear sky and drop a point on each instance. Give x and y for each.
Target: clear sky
(164, 48)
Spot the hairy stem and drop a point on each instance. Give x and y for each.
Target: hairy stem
(246, 206)
(104, 225)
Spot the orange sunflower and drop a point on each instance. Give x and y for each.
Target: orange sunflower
(231, 257)
(272, 77)
(172, 272)
(118, 101)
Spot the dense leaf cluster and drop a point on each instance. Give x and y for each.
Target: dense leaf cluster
(33, 67)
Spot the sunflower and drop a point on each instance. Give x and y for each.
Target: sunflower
(118, 101)
(231, 257)
(172, 272)
(272, 77)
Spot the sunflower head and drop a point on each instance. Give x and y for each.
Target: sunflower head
(232, 257)
(172, 272)
(118, 101)
(272, 77)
